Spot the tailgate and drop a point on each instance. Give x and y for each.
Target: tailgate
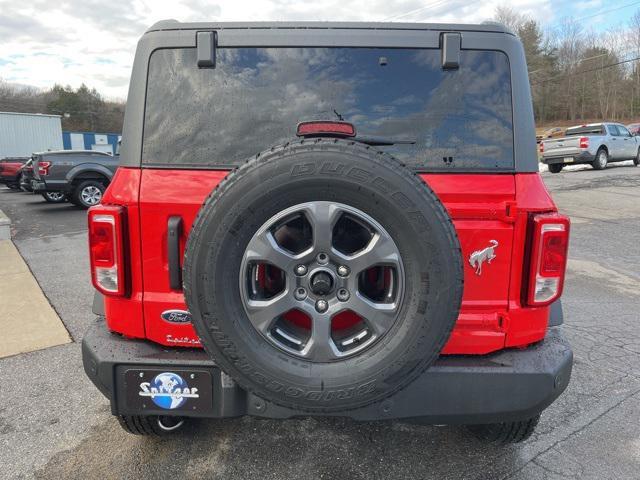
(560, 147)
(478, 204)
(481, 207)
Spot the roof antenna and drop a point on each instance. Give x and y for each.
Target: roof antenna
(338, 115)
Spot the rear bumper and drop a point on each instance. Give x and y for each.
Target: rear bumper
(506, 386)
(38, 187)
(41, 186)
(582, 157)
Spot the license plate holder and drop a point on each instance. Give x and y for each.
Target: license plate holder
(168, 391)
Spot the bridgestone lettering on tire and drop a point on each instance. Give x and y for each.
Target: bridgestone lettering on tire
(417, 281)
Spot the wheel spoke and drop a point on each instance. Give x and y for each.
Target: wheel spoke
(322, 216)
(379, 316)
(380, 251)
(320, 347)
(263, 247)
(263, 312)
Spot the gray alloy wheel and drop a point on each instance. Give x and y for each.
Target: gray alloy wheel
(91, 195)
(602, 158)
(54, 197)
(320, 280)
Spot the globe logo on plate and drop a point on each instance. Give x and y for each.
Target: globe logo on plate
(168, 390)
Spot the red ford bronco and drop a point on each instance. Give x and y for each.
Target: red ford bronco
(335, 219)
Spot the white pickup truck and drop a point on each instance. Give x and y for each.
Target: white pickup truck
(595, 143)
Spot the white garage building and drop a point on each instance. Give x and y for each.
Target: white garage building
(22, 134)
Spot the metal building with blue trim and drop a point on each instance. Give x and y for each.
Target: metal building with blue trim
(103, 142)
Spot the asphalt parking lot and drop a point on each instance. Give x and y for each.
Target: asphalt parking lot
(55, 424)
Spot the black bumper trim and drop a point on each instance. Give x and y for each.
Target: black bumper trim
(41, 186)
(556, 314)
(583, 157)
(505, 386)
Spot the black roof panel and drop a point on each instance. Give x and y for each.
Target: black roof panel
(175, 25)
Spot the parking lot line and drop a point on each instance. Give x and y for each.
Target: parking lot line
(27, 320)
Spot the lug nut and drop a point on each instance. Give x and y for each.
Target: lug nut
(300, 293)
(323, 258)
(343, 271)
(301, 270)
(321, 306)
(343, 295)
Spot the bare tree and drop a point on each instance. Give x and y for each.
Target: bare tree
(633, 41)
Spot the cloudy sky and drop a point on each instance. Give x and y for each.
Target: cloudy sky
(43, 42)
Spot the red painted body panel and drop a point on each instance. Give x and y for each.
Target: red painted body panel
(526, 324)
(164, 193)
(478, 206)
(9, 170)
(124, 314)
(483, 207)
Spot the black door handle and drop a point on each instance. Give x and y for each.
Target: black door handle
(174, 231)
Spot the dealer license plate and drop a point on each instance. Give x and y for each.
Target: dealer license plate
(171, 390)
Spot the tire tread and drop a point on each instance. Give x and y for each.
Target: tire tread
(507, 432)
(329, 145)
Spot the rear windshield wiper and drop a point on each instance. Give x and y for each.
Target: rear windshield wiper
(382, 141)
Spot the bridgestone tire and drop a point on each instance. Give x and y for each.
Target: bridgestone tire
(504, 433)
(151, 425)
(324, 170)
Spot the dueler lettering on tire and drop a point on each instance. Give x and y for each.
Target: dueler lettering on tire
(323, 275)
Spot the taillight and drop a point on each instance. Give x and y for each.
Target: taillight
(584, 142)
(549, 248)
(541, 147)
(344, 129)
(43, 168)
(106, 249)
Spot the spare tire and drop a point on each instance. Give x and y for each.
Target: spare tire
(323, 275)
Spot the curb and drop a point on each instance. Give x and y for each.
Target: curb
(41, 327)
(5, 227)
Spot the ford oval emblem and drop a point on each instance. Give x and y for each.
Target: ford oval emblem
(176, 316)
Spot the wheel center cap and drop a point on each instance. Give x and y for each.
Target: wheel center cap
(321, 283)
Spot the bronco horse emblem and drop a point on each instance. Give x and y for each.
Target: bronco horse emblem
(477, 258)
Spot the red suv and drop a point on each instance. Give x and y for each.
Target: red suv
(329, 219)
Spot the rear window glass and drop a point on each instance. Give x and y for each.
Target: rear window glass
(586, 130)
(255, 97)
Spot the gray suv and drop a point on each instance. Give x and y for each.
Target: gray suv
(81, 176)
